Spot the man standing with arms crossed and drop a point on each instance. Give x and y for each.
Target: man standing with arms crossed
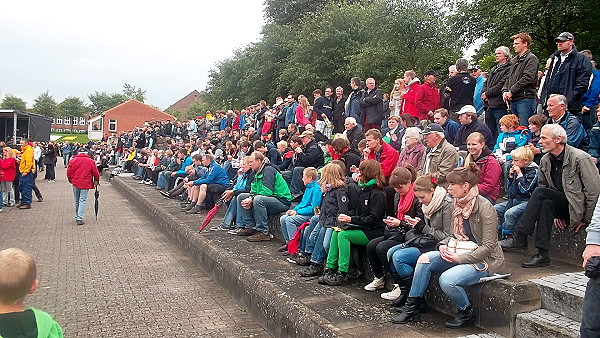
(83, 175)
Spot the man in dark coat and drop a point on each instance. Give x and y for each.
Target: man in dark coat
(460, 88)
(309, 154)
(495, 107)
(470, 124)
(371, 104)
(339, 116)
(569, 74)
(353, 132)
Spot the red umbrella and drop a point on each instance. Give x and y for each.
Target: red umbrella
(211, 213)
(295, 241)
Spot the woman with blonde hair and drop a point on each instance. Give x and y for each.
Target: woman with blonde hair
(302, 113)
(396, 97)
(491, 172)
(359, 228)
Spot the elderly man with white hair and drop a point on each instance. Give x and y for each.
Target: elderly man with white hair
(566, 195)
(440, 157)
(557, 110)
(491, 93)
(353, 132)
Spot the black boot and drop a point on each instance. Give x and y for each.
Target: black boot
(404, 283)
(462, 319)
(327, 272)
(410, 312)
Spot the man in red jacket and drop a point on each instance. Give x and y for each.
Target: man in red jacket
(83, 175)
(428, 96)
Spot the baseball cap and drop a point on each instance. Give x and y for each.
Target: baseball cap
(307, 133)
(564, 36)
(431, 128)
(467, 109)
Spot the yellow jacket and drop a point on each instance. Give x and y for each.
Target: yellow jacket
(27, 163)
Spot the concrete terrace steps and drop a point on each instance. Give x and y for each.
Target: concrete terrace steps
(543, 323)
(262, 281)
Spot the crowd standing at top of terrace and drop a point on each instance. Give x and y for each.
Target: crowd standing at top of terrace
(407, 174)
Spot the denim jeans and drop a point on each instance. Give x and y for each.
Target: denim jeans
(307, 245)
(290, 224)
(524, 109)
(492, 119)
(163, 179)
(403, 259)
(8, 194)
(509, 213)
(25, 187)
(321, 235)
(80, 199)
(257, 216)
(231, 214)
(590, 326)
(453, 279)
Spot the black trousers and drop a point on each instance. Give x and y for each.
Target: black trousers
(50, 173)
(377, 253)
(544, 206)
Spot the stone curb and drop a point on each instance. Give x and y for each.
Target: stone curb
(276, 311)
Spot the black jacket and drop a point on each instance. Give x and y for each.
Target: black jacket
(414, 212)
(334, 202)
(311, 155)
(493, 86)
(323, 105)
(571, 78)
(370, 211)
(460, 89)
(522, 77)
(476, 126)
(371, 105)
(338, 114)
(350, 157)
(354, 135)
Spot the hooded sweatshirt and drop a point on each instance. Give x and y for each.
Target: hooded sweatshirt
(31, 323)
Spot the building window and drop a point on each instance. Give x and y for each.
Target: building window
(82, 121)
(67, 120)
(75, 121)
(59, 120)
(112, 125)
(53, 120)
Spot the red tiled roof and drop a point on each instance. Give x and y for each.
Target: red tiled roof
(186, 101)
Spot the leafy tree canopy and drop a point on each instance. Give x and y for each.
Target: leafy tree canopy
(13, 102)
(45, 105)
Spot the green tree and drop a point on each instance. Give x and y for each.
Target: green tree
(13, 102)
(131, 92)
(102, 101)
(45, 105)
(72, 107)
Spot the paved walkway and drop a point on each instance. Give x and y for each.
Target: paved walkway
(117, 276)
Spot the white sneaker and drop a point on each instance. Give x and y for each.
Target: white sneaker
(377, 283)
(392, 295)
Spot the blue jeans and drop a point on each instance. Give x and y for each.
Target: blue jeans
(231, 214)
(307, 245)
(163, 179)
(403, 259)
(262, 206)
(453, 279)
(290, 224)
(524, 109)
(509, 213)
(320, 235)
(80, 199)
(492, 119)
(25, 186)
(590, 326)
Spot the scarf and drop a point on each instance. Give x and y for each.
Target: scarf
(405, 202)
(363, 186)
(462, 210)
(435, 203)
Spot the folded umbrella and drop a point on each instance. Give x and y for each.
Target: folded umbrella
(211, 213)
(96, 203)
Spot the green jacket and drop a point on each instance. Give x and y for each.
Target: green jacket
(46, 326)
(269, 182)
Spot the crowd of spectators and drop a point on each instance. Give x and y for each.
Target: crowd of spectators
(487, 159)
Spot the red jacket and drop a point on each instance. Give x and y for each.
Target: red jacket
(409, 100)
(491, 174)
(388, 158)
(428, 99)
(82, 172)
(8, 168)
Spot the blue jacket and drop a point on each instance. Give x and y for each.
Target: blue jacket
(451, 128)
(186, 162)
(214, 175)
(521, 187)
(510, 141)
(477, 100)
(353, 105)
(242, 121)
(594, 150)
(576, 135)
(590, 98)
(312, 198)
(290, 113)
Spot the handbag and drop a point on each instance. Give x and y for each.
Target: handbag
(349, 226)
(461, 247)
(417, 239)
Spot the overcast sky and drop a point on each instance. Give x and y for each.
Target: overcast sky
(77, 47)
